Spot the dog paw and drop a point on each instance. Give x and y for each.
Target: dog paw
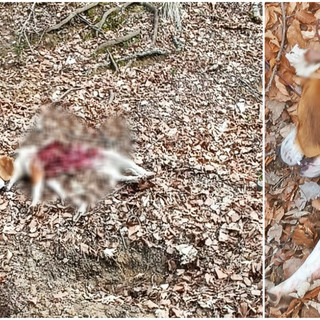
(149, 174)
(2, 185)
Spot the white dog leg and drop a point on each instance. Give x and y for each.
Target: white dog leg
(290, 153)
(17, 174)
(55, 186)
(37, 192)
(310, 270)
(126, 164)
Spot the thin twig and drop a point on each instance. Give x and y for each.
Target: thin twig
(275, 68)
(68, 91)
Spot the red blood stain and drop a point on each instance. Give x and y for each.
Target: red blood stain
(57, 158)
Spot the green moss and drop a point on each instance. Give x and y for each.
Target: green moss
(91, 13)
(87, 36)
(114, 20)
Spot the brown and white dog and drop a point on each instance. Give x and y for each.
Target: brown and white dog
(42, 165)
(302, 147)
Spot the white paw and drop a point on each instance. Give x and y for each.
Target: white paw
(290, 153)
(149, 174)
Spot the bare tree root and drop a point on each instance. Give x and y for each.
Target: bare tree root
(155, 11)
(108, 12)
(140, 55)
(150, 7)
(72, 15)
(105, 16)
(114, 63)
(118, 40)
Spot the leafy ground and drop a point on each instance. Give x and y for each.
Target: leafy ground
(196, 117)
(292, 216)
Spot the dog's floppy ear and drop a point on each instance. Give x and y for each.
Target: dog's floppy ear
(6, 168)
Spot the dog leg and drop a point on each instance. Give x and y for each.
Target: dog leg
(17, 174)
(127, 164)
(310, 270)
(37, 178)
(55, 186)
(115, 176)
(36, 192)
(82, 208)
(290, 153)
(310, 167)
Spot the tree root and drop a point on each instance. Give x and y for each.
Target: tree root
(114, 63)
(108, 12)
(118, 40)
(72, 15)
(155, 11)
(140, 55)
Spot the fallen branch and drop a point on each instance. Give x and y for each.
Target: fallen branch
(275, 68)
(119, 40)
(143, 54)
(72, 15)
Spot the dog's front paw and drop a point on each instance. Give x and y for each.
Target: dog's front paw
(148, 174)
(2, 185)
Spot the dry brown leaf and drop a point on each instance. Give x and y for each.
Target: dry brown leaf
(316, 204)
(305, 17)
(220, 274)
(301, 237)
(294, 35)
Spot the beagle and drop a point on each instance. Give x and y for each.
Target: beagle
(43, 164)
(302, 147)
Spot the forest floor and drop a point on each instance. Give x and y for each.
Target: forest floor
(195, 115)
